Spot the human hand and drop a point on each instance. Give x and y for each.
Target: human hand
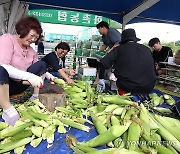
(50, 77)
(35, 81)
(112, 77)
(101, 85)
(72, 72)
(157, 67)
(70, 81)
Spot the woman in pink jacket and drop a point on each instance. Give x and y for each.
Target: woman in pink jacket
(19, 65)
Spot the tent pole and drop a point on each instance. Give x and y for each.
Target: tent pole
(2, 19)
(18, 10)
(130, 15)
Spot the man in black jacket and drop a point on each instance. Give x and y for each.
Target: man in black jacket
(133, 66)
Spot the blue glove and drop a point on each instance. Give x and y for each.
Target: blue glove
(101, 85)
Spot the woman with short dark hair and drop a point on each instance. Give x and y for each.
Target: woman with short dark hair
(19, 65)
(56, 63)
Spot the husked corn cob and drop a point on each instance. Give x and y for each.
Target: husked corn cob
(134, 133)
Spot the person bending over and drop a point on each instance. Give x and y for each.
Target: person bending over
(56, 63)
(133, 64)
(110, 37)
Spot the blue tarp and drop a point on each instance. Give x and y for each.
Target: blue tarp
(163, 11)
(59, 146)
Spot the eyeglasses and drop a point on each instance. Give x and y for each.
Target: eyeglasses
(61, 52)
(34, 36)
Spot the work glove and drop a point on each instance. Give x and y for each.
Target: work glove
(101, 85)
(15, 73)
(35, 81)
(10, 116)
(50, 77)
(112, 77)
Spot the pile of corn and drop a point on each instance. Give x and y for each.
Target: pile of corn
(123, 125)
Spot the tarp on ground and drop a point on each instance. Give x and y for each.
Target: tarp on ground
(59, 146)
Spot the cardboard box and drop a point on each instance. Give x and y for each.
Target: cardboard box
(88, 73)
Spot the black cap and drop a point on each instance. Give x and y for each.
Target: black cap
(153, 41)
(129, 35)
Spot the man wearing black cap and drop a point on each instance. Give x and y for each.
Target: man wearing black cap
(160, 54)
(133, 64)
(110, 36)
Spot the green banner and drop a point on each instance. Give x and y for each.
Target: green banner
(67, 17)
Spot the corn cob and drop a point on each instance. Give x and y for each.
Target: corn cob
(41, 116)
(169, 100)
(156, 100)
(114, 120)
(100, 107)
(37, 121)
(74, 124)
(85, 148)
(34, 143)
(37, 102)
(19, 150)
(168, 136)
(117, 100)
(119, 143)
(156, 137)
(123, 112)
(171, 127)
(61, 129)
(118, 111)
(114, 151)
(104, 151)
(76, 89)
(37, 131)
(76, 150)
(60, 82)
(66, 111)
(79, 101)
(23, 134)
(129, 113)
(14, 130)
(172, 149)
(104, 138)
(162, 109)
(14, 144)
(98, 124)
(134, 133)
(80, 84)
(3, 125)
(160, 148)
(145, 120)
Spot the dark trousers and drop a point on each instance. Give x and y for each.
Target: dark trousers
(16, 87)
